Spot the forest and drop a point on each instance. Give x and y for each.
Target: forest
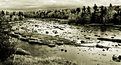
(84, 15)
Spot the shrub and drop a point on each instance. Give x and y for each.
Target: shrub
(6, 47)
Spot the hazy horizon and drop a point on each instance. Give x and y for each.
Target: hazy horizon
(33, 4)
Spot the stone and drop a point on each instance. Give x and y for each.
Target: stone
(116, 57)
(6, 30)
(59, 43)
(51, 45)
(65, 50)
(17, 32)
(20, 51)
(15, 35)
(62, 49)
(33, 38)
(33, 42)
(55, 31)
(40, 43)
(119, 44)
(47, 32)
(23, 39)
(119, 57)
(11, 33)
(82, 41)
(13, 29)
(37, 26)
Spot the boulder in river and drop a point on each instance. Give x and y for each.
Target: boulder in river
(116, 58)
(107, 39)
(15, 35)
(51, 45)
(55, 31)
(20, 51)
(17, 32)
(119, 44)
(59, 43)
(23, 38)
(80, 41)
(37, 26)
(102, 46)
(33, 41)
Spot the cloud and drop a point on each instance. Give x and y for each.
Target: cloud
(54, 3)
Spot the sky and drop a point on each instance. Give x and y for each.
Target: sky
(20, 4)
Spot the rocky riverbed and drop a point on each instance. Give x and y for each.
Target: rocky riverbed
(79, 44)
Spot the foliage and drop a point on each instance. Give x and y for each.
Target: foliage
(29, 60)
(6, 47)
(101, 15)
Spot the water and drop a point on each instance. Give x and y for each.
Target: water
(72, 32)
(81, 55)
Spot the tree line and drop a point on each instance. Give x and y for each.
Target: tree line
(95, 14)
(98, 14)
(11, 16)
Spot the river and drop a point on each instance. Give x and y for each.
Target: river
(78, 54)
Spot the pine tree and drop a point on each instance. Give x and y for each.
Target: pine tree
(102, 13)
(78, 10)
(14, 13)
(95, 7)
(94, 17)
(7, 13)
(3, 13)
(84, 9)
(110, 5)
(88, 10)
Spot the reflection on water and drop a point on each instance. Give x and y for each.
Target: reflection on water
(107, 31)
(103, 28)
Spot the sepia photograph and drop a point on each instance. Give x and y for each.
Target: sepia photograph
(60, 32)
